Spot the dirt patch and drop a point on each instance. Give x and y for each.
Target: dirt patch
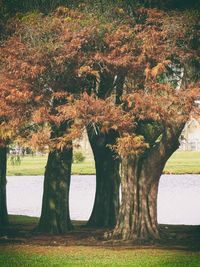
(174, 237)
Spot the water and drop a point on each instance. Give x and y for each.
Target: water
(178, 197)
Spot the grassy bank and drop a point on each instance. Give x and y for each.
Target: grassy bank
(183, 162)
(35, 165)
(23, 219)
(71, 254)
(180, 162)
(29, 256)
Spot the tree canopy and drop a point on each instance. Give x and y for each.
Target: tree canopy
(121, 72)
(69, 53)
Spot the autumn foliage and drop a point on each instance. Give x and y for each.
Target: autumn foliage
(53, 67)
(130, 79)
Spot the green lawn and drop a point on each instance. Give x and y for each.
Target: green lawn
(180, 162)
(29, 165)
(29, 256)
(184, 162)
(23, 219)
(91, 256)
(35, 165)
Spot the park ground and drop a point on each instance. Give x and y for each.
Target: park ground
(86, 247)
(180, 163)
(32, 256)
(83, 247)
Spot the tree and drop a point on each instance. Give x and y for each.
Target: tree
(12, 117)
(106, 205)
(28, 65)
(141, 171)
(3, 205)
(65, 56)
(55, 217)
(97, 217)
(51, 49)
(154, 57)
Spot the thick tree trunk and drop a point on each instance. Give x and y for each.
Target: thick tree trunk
(137, 218)
(55, 218)
(3, 204)
(138, 212)
(106, 205)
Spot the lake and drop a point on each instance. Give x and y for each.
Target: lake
(178, 197)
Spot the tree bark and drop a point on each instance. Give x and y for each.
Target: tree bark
(55, 218)
(106, 205)
(138, 212)
(137, 218)
(3, 202)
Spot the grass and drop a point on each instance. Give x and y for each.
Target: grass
(184, 162)
(181, 162)
(35, 165)
(29, 165)
(91, 256)
(86, 167)
(23, 219)
(31, 256)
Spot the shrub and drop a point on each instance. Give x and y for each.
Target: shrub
(78, 157)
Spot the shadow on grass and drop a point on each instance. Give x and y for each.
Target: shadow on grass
(19, 231)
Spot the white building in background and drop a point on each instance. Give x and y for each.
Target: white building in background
(190, 137)
(189, 140)
(83, 145)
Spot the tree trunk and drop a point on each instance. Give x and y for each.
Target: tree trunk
(3, 204)
(55, 218)
(137, 218)
(138, 212)
(106, 205)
